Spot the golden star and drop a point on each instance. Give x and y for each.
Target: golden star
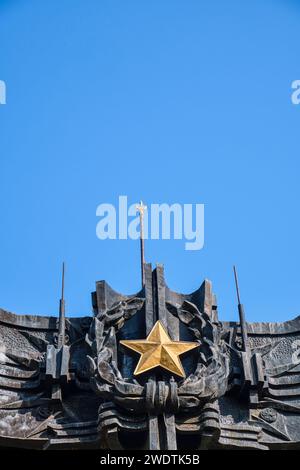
(159, 350)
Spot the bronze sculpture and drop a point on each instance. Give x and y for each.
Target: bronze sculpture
(72, 382)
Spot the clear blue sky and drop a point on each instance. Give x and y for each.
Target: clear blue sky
(164, 100)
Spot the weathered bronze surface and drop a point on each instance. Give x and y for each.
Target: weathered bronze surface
(73, 383)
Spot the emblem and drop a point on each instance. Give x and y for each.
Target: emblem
(181, 365)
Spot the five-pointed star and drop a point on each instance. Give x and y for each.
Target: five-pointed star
(159, 350)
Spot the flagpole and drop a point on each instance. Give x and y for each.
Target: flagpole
(141, 209)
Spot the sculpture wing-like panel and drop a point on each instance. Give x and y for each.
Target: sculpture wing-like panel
(268, 376)
(33, 376)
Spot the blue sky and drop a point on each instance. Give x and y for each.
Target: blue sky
(164, 100)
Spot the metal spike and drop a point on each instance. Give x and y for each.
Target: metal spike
(61, 327)
(241, 310)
